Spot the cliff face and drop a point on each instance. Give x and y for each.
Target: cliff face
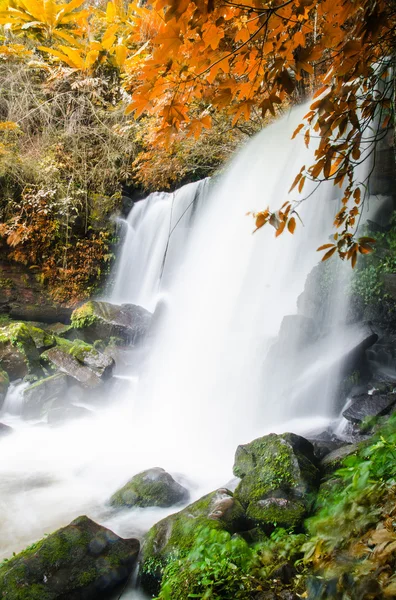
(23, 296)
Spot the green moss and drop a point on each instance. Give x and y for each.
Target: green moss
(84, 316)
(287, 515)
(41, 338)
(76, 348)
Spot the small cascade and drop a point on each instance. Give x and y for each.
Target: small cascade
(156, 233)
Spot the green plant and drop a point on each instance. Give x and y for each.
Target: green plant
(218, 566)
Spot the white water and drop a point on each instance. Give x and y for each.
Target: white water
(156, 233)
(202, 391)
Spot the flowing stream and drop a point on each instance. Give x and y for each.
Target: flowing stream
(203, 389)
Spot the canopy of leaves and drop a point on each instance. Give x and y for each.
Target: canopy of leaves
(179, 64)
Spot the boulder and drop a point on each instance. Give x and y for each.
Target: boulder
(19, 356)
(369, 405)
(66, 363)
(333, 461)
(82, 561)
(96, 320)
(175, 534)
(40, 312)
(4, 384)
(279, 479)
(80, 361)
(39, 396)
(154, 487)
(100, 363)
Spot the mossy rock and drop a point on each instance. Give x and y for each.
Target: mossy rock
(175, 535)
(154, 487)
(4, 384)
(80, 361)
(42, 339)
(334, 460)
(279, 479)
(82, 561)
(96, 320)
(19, 356)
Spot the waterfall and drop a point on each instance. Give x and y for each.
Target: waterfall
(156, 233)
(206, 386)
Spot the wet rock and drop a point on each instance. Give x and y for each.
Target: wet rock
(333, 461)
(43, 313)
(19, 356)
(62, 360)
(4, 385)
(279, 479)
(59, 414)
(102, 364)
(87, 356)
(82, 561)
(154, 487)
(369, 405)
(40, 395)
(5, 429)
(176, 534)
(322, 447)
(102, 320)
(60, 329)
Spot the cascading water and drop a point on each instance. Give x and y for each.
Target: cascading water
(204, 388)
(156, 233)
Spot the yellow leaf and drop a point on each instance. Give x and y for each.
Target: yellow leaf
(91, 58)
(121, 54)
(111, 12)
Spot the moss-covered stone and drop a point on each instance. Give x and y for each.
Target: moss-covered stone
(79, 562)
(19, 356)
(42, 339)
(96, 320)
(79, 360)
(279, 479)
(154, 487)
(175, 535)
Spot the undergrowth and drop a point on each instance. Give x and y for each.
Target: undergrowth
(348, 549)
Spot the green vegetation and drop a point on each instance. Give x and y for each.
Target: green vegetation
(349, 539)
(368, 284)
(84, 316)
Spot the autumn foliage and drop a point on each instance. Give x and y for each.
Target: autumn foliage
(179, 68)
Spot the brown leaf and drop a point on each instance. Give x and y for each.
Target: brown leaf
(291, 224)
(329, 254)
